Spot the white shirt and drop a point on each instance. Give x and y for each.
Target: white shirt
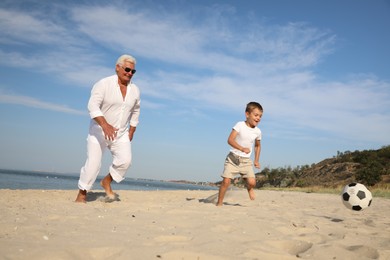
(246, 138)
(107, 100)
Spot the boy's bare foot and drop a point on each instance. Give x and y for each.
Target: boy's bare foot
(219, 204)
(106, 185)
(81, 196)
(251, 193)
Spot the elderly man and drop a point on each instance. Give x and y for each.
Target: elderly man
(114, 108)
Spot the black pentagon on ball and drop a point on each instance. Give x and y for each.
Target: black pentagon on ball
(357, 208)
(346, 196)
(361, 194)
(352, 184)
(369, 203)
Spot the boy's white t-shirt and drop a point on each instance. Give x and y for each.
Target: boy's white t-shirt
(246, 137)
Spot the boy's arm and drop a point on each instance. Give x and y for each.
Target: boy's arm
(257, 153)
(232, 142)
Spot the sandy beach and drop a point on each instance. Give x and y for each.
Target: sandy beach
(47, 224)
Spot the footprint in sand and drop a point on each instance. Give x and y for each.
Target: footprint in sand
(293, 247)
(366, 251)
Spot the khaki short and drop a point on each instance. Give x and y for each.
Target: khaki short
(235, 165)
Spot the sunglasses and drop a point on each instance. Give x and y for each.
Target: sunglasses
(129, 70)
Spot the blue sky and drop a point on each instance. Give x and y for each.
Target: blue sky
(319, 68)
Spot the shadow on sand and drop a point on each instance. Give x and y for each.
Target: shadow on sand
(213, 200)
(101, 196)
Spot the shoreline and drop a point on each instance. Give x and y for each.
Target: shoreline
(178, 224)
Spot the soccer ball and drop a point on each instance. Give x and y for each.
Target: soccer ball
(356, 196)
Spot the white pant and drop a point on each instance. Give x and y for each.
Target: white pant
(121, 159)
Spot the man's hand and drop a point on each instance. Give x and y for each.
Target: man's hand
(131, 132)
(109, 132)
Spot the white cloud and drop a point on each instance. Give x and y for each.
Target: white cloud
(22, 28)
(35, 103)
(38, 42)
(207, 62)
(176, 40)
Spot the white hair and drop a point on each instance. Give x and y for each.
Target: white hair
(125, 57)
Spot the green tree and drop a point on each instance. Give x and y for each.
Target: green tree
(370, 174)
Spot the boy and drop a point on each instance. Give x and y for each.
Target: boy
(244, 136)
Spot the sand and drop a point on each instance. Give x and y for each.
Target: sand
(43, 224)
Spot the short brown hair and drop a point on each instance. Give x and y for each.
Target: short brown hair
(252, 105)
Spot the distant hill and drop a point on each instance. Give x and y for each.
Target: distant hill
(370, 167)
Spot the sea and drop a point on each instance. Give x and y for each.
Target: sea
(35, 180)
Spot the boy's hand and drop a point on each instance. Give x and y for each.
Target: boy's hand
(246, 150)
(257, 165)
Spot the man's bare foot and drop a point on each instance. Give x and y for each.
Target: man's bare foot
(251, 193)
(81, 196)
(106, 185)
